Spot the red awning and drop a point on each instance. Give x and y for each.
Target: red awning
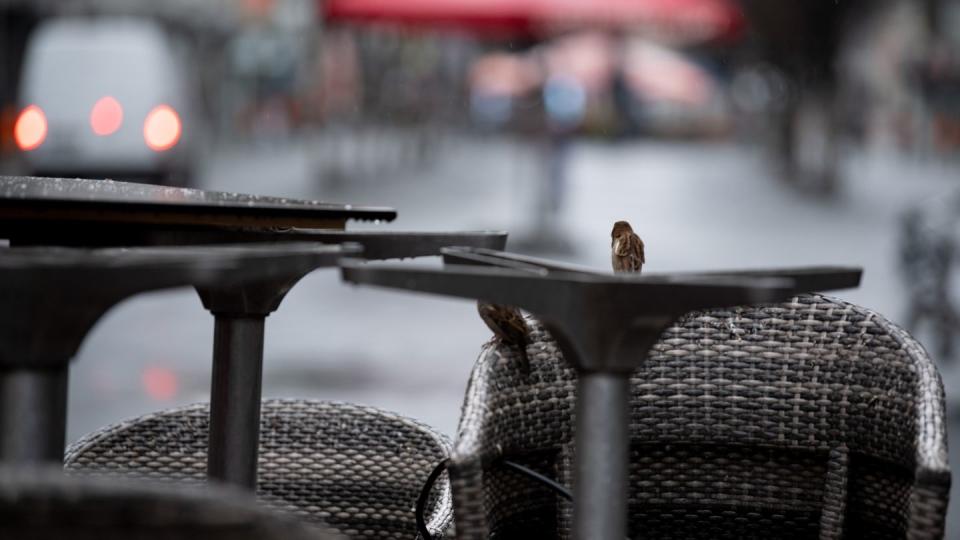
(510, 17)
(689, 20)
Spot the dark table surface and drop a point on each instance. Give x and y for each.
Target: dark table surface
(47, 287)
(36, 202)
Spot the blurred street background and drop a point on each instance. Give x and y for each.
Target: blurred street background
(730, 133)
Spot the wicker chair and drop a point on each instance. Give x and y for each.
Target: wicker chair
(813, 418)
(43, 504)
(355, 469)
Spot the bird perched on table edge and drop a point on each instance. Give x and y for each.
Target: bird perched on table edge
(626, 249)
(508, 326)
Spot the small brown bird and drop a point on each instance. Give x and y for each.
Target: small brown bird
(627, 249)
(508, 326)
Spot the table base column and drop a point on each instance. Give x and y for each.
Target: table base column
(601, 478)
(33, 415)
(235, 400)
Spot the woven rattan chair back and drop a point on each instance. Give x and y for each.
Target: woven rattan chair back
(356, 469)
(813, 418)
(44, 504)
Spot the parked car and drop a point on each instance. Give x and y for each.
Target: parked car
(105, 97)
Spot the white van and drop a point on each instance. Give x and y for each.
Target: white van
(104, 96)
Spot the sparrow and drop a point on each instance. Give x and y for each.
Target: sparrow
(508, 326)
(627, 249)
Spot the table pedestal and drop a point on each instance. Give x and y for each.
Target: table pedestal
(602, 451)
(235, 399)
(235, 389)
(33, 415)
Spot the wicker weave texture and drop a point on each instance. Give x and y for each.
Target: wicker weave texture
(355, 469)
(44, 504)
(813, 418)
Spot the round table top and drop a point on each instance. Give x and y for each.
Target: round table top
(29, 200)
(51, 297)
(149, 267)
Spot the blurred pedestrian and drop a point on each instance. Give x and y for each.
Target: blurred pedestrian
(926, 262)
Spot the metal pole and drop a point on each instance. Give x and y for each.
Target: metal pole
(602, 442)
(235, 399)
(33, 415)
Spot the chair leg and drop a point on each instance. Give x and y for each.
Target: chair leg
(835, 494)
(565, 466)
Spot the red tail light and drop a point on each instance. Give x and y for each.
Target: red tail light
(31, 128)
(161, 129)
(106, 116)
